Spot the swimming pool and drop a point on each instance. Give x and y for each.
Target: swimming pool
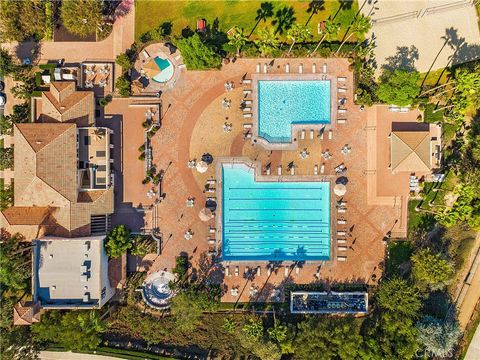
(283, 103)
(166, 70)
(273, 221)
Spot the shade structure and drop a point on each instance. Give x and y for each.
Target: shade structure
(205, 214)
(211, 204)
(340, 189)
(151, 69)
(202, 166)
(208, 158)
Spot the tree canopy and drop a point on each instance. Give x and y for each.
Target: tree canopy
(399, 87)
(118, 241)
(396, 295)
(197, 55)
(431, 270)
(82, 17)
(439, 338)
(187, 307)
(20, 20)
(72, 330)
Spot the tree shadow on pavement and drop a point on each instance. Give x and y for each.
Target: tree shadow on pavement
(404, 59)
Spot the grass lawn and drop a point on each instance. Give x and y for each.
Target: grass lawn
(149, 14)
(399, 253)
(430, 116)
(434, 78)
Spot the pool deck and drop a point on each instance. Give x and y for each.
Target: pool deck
(192, 124)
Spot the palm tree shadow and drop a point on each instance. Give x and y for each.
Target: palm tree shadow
(314, 7)
(264, 12)
(284, 19)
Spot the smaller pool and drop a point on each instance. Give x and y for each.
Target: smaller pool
(166, 70)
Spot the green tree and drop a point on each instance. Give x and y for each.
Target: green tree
(439, 338)
(267, 41)
(15, 268)
(396, 295)
(253, 329)
(72, 330)
(297, 33)
(6, 158)
(431, 270)
(118, 241)
(465, 209)
(360, 26)
(399, 87)
(187, 308)
(237, 38)
(124, 61)
(82, 17)
(229, 325)
(328, 338)
(6, 197)
(123, 85)
(7, 66)
(197, 55)
(20, 20)
(330, 32)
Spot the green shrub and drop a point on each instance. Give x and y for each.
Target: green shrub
(48, 35)
(142, 148)
(124, 61)
(123, 85)
(141, 156)
(198, 55)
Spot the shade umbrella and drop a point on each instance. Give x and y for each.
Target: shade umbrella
(340, 189)
(202, 167)
(211, 204)
(342, 180)
(151, 69)
(208, 158)
(205, 214)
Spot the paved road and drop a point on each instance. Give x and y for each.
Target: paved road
(56, 355)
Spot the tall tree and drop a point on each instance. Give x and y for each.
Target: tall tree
(297, 33)
(238, 39)
(118, 241)
(267, 41)
(6, 158)
(197, 55)
(360, 26)
(439, 338)
(399, 87)
(264, 12)
(82, 17)
(431, 270)
(396, 295)
(284, 19)
(330, 32)
(20, 20)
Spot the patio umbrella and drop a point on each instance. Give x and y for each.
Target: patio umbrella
(151, 69)
(205, 214)
(202, 167)
(210, 204)
(342, 180)
(208, 158)
(340, 189)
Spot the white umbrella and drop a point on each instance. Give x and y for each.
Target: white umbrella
(340, 189)
(205, 214)
(202, 167)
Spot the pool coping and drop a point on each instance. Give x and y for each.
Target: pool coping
(295, 128)
(259, 177)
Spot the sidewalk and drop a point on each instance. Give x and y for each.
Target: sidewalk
(57, 355)
(473, 352)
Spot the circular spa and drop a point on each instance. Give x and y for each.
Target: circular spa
(156, 292)
(159, 69)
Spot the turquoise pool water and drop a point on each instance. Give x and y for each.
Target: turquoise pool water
(166, 68)
(273, 221)
(282, 103)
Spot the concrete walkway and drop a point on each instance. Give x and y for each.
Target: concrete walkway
(473, 352)
(424, 32)
(56, 355)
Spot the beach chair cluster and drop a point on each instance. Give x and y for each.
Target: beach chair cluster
(342, 100)
(246, 104)
(301, 69)
(342, 246)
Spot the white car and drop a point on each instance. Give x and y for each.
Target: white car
(3, 99)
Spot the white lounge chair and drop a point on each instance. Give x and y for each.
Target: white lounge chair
(247, 92)
(341, 222)
(322, 169)
(286, 271)
(341, 258)
(302, 134)
(259, 271)
(330, 134)
(246, 81)
(341, 79)
(312, 134)
(314, 68)
(182, 66)
(341, 241)
(212, 230)
(342, 111)
(342, 90)
(146, 55)
(211, 181)
(211, 241)
(292, 170)
(297, 270)
(268, 170)
(287, 68)
(324, 68)
(279, 170)
(247, 116)
(247, 126)
(248, 135)
(315, 170)
(300, 68)
(341, 121)
(269, 271)
(247, 109)
(247, 102)
(342, 248)
(237, 270)
(265, 68)
(342, 210)
(341, 233)
(258, 68)
(227, 270)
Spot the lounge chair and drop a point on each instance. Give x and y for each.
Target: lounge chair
(269, 271)
(341, 121)
(286, 271)
(341, 222)
(212, 230)
(279, 170)
(211, 241)
(259, 271)
(341, 258)
(404, 109)
(341, 233)
(342, 248)
(247, 126)
(314, 68)
(247, 109)
(342, 210)
(317, 274)
(324, 68)
(247, 116)
(268, 170)
(292, 170)
(181, 66)
(394, 109)
(145, 54)
(247, 92)
(341, 79)
(287, 68)
(297, 270)
(320, 134)
(341, 241)
(312, 134)
(258, 68)
(342, 90)
(227, 270)
(330, 134)
(247, 102)
(322, 169)
(300, 69)
(342, 111)
(248, 135)
(302, 135)
(211, 198)
(246, 270)
(211, 181)
(236, 271)
(265, 68)
(315, 170)
(246, 81)
(176, 58)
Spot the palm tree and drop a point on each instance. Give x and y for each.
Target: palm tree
(297, 33)
(267, 41)
(263, 13)
(284, 19)
(359, 27)
(314, 7)
(237, 38)
(329, 32)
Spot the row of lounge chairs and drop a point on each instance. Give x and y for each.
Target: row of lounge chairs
(257, 271)
(341, 234)
(321, 134)
(287, 68)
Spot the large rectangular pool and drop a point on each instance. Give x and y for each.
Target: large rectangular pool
(283, 103)
(273, 221)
